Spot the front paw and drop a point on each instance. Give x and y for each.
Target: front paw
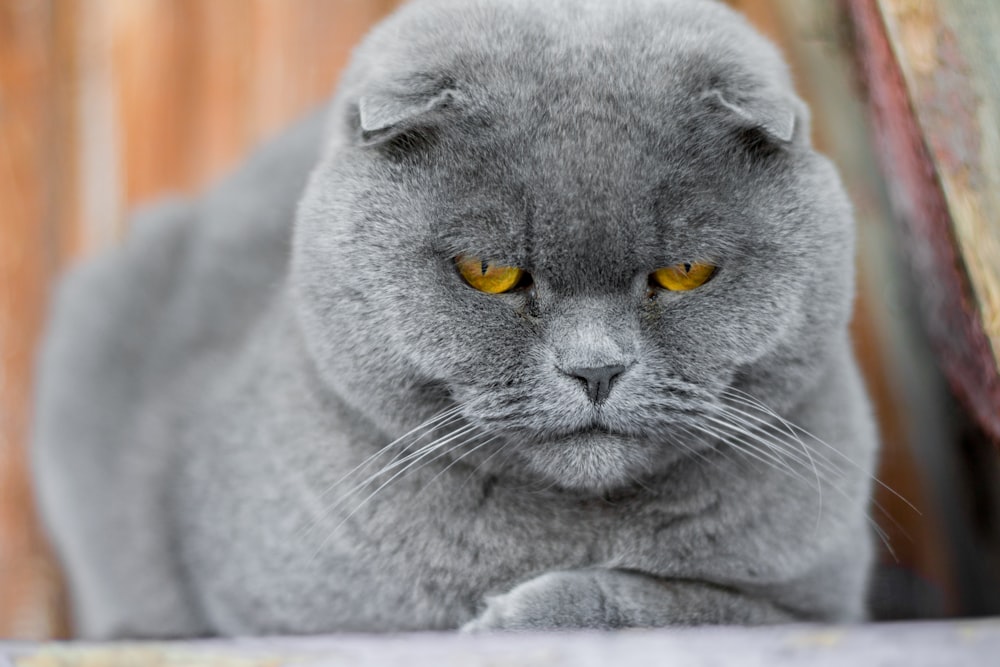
(554, 600)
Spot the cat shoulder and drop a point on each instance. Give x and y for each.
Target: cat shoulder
(188, 273)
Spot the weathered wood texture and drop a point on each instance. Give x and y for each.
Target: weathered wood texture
(105, 104)
(934, 87)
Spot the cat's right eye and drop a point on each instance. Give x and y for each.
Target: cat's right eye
(491, 278)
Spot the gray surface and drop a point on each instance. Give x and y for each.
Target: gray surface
(953, 644)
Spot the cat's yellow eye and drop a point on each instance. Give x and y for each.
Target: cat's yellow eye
(487, 276)
(682, 277)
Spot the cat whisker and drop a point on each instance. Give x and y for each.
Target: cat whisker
(491, 439)
(769, 460)
(768, 428)
(396, 462)
(770, 445)
(694, 451)
(702, 455)
(882, 535)
(748, 400)
(779, 445)
(824, 463)
(757, 447)
(815, 460)
(786, 426)
(748, 449)
(503, 445)
(753, 402)
(426, 449)
(436, 421)
(639, 483)
(765, 428)
(415, 461)
(416, 455)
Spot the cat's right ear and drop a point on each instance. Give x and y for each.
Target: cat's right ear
(386, 113)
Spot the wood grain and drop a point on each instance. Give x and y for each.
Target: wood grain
(935, 94)
(948, 53)
(33, 171)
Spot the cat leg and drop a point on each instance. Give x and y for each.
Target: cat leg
(606, 599)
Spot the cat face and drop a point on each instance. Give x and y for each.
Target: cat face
(586, 167)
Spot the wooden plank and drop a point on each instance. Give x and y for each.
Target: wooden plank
(153, 59)
(935, 94)
(31, 172)
(198, 83)
(948, 53)
(87, 106)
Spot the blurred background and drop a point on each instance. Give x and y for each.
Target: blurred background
(105, 104)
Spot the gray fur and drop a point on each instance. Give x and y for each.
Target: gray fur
(207, 389)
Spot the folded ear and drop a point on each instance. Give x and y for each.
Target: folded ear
(781, 117)
(387, 112)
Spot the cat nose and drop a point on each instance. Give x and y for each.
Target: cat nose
(599, 379)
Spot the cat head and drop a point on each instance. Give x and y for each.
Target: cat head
(579, 222)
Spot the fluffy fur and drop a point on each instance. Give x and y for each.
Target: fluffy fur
(217, 395)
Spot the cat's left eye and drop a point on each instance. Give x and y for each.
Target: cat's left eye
(682, 277)
(490, 277)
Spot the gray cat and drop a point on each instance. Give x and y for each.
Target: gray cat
(542, 324)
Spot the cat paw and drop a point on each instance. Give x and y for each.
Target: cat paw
(552, 601)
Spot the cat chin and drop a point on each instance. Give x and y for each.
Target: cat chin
(597, 461)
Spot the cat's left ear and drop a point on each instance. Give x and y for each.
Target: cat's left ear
(781, 117)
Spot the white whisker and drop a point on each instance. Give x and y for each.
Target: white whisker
(425, 455)
(750, 401)
(440, 420)
(779, 444)
(833, 449)
(436, 421)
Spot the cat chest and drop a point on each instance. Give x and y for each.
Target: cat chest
(423, 558)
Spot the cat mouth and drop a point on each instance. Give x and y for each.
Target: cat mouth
(595, 429)
(587, 432)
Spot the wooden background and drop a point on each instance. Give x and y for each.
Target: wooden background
(108, 103)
